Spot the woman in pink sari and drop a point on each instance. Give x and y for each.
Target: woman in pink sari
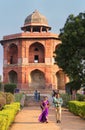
(45, 108)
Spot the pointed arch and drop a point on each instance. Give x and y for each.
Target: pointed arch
(12, 76)
(12, 54)
(36, 53)
(37, 79)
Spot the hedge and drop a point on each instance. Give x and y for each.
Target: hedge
(10, 87)
(77, 107)
(8, 114)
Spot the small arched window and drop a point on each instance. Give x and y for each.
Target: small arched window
(36, 49)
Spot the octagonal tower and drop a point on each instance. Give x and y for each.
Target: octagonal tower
(28, 56)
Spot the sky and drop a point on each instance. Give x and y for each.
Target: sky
(14, 12)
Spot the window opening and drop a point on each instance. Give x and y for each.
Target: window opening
(36, 59)
(11, 60)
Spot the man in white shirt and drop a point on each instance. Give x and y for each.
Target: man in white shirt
(57, 100)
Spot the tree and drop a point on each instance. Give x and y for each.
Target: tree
(70, 54)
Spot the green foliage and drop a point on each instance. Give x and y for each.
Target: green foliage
(3, 121)
(6, 98)
(0, 85)
(8, 114)
(9, 87)
(66, 98)
(73, 85)
(70, 55)
(9, 98)
(2, 99)
(2, 94)
(77, 107)
(80, 97)
(18, 97)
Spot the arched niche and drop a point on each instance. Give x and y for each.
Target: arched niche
(36, 53)
(12, 54)
(37, 79)
(12, 77)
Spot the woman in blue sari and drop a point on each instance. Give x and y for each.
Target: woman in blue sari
(45, 108)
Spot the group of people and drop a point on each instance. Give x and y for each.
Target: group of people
(57, 101)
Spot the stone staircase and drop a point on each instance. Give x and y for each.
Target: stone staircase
(30, 101)
(42, 91)
(29, 96)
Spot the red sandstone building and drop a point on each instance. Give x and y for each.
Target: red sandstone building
(28, 56)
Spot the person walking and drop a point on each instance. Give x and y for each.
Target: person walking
(57, 100)
(45, 108)
(53, 93)
(36, 95)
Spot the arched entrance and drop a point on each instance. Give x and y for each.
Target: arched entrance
(60, 80)
(12, 77)
(37, 79)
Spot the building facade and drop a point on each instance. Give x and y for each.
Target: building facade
(28, 56)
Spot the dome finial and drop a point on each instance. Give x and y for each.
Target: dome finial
(35, 11)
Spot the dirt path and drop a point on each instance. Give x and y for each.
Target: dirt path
(27, 119)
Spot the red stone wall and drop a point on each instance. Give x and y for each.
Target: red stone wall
(26, 42)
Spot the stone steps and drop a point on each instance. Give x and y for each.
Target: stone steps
(30, 101)
(42, 91)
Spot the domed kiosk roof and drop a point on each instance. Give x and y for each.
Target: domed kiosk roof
(35, 19)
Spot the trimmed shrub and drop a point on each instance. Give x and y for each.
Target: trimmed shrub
(9, 98)
(8, 114)
(2, 94)
(2, 102)
(80, 97)
(3, 121)
(18, 97)
(2, 99)
(9, 87)
(77, 107)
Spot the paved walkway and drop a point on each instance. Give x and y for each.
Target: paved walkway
(27, 119)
